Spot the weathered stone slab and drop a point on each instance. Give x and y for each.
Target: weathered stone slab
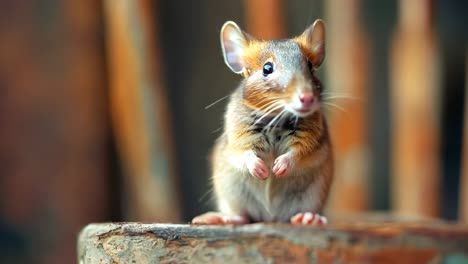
(274, 243)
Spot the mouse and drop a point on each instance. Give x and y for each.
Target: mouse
(273, 161)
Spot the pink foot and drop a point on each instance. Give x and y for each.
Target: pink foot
(256, 166)
(308, 218)
(283, 165)
(215, 218)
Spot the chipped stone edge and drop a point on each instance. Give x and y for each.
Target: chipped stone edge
(317, 237)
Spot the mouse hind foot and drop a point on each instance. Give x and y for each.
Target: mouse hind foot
(217, 218)
(308, 218)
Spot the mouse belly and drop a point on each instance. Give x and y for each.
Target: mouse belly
(280, 199)
(273, 199)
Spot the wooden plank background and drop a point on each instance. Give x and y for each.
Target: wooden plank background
(265, 19)
(140, 112)
(347, 64)
(415, 79)
(54, 127)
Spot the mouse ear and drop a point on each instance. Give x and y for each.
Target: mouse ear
(314, 39)
(233, 44)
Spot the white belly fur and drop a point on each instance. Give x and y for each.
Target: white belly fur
(247, 195)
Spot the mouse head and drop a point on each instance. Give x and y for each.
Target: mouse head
(279, 74)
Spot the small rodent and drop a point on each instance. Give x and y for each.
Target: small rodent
(274, 160)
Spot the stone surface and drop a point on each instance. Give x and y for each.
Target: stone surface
(274, 243)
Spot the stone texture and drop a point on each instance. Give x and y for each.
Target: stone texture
(274, 243)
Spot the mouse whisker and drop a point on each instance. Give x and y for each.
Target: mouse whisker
(264, 107)
(274, 108)
(285, 115)
(335, 106)
(267, 108)
(338, 94)
(282, 115)
(335, 92)
(278, 120)
(339, 97)
(217, 130)
(269, 125)
(209, 191)
(217, 101)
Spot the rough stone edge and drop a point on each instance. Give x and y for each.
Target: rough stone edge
(448, 238)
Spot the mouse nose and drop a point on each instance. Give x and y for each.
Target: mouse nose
(307, 99)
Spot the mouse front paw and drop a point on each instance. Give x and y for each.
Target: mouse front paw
(256, 166)
(283, 165)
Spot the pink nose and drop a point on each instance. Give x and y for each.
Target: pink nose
(307, 99)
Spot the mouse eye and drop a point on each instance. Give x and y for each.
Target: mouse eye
(267, 68)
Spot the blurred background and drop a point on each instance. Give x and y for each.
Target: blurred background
(102, 109)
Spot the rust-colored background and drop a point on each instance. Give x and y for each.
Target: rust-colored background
(102, 109)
